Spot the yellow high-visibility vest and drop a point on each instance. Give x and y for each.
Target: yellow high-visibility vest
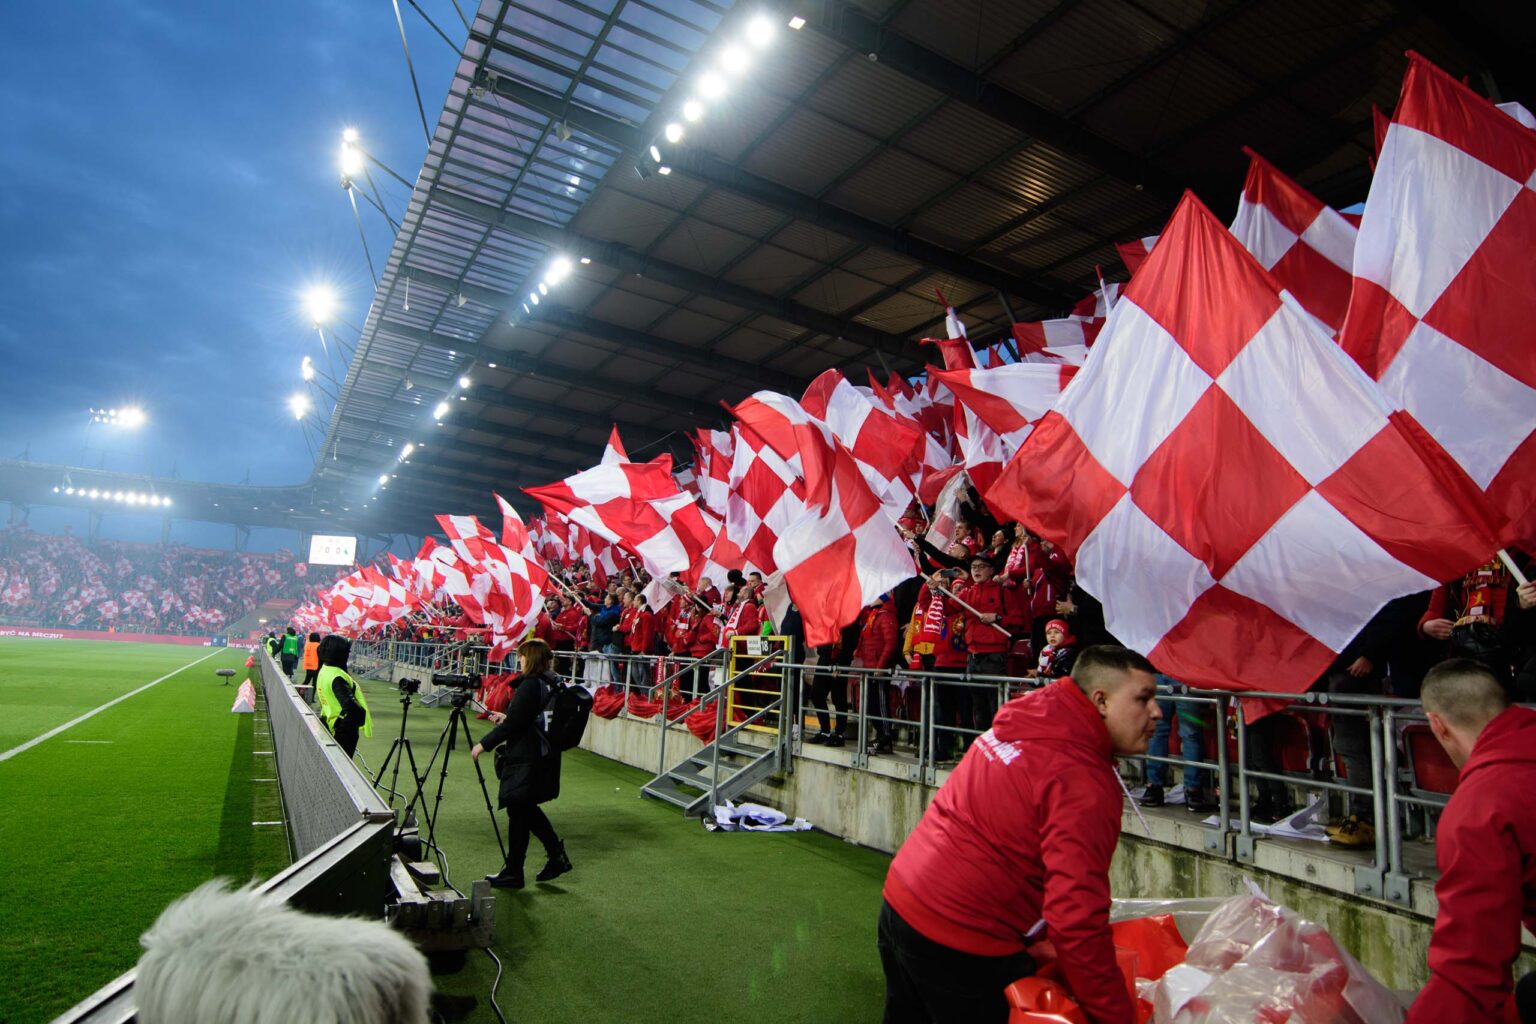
(330, 707)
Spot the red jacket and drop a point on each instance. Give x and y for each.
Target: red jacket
(747, 623)
(1022, 831)
(544, 628)
(947, 643)
(681, 625)
(641, 638)
(1486, 851)
(991, 597)
(879, 637)
(571, 627)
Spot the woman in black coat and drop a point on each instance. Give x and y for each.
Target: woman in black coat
(528, 767)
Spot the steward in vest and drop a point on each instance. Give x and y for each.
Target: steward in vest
(290, 655)
(343, 708)
(312, 659)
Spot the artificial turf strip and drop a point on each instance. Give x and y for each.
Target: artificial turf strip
(100, 836)
(660, 921)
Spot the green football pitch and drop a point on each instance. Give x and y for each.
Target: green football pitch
(660, 922)
(110, 819)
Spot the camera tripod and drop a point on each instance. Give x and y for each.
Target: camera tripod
(400, 750)
(458, 721)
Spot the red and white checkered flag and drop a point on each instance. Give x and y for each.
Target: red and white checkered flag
(1306, 244)
(1134, 253)
(636, 505)
(844, 551)
(1445, 287)
(713, 454)
(883, 444)
(1233, 488)
(1010, 399)
(765, 495)
(613, 452)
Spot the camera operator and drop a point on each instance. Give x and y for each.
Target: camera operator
(342, 706)
(529, 767)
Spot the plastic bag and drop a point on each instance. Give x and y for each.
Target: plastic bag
(1266, 963)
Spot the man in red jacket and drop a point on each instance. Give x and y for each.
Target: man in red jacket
(641, 641)
(1485, 846)
(1018, 842)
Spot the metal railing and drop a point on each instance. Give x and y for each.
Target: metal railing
(921, 745)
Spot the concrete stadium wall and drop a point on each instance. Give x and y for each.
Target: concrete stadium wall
(878, 806)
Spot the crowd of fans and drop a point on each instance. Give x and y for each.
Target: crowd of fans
(1003, 606)
(61, 581)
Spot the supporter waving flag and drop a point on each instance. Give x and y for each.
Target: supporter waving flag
(843, 552)
(1445, 287)
(636, 505)
(1232, 486)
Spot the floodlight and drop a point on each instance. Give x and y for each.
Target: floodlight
(663, 169)
(55, 490)
(760, 31)
(559, 270)
(491, 365)
(131, 417)
(349, 135)
(307, 369)
(674, 132)
(733, 60)
(118, 496)
(797, 23)
(543, 288)
(693, 110)
(298, 404)
(154, 500)
(711, 86)
(585, 260)
(440, 411)
(464, 383)
(166, 502)
(533, 297)
(383, 479)
(94, 494)
(320, 303)
(405, 452)
(656, 154)
(69, 490)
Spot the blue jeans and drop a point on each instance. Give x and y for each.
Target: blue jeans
(1191, 739)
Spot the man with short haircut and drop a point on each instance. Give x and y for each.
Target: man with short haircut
(1485, 847)
(1018, 842)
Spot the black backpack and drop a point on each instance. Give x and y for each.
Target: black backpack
(566, 711)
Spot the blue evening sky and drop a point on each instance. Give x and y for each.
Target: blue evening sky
(171, 188)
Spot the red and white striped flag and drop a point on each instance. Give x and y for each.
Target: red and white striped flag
(1445, 287)
(1232, 487)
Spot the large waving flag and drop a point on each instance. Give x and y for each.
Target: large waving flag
(1306, 244)
(1234, 488)
(844, 551)
(884, 444)
(613, 452)
(1010, 399)
(636, 505)
(1445, 284)
(765, 496)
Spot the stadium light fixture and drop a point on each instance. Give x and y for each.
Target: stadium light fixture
(585, 260)
(673, 132)
(320, 303)
(559, 270)
(656, 154)
(464, 383)
(55, 490)
(307, 368)
(383, 479)
(533, 297)
(405, 452)
(663, 169)
(440, 411)
(299, 405)
(131, 417)
(760, 31)
(69, 490)
(351, 156)
(797, 23)
(711, 85)
(166, 502)
(693, 110)
(733, 60)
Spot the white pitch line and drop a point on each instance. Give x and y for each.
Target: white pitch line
(51, 733)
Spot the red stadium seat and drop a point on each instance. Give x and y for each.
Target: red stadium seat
(1429, 766)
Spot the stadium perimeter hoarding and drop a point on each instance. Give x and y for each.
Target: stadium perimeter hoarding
(47, 633)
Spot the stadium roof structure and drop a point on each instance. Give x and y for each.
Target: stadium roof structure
(844, 171)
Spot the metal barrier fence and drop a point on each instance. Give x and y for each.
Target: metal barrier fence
(901, 721)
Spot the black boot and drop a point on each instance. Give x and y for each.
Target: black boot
(507, 878)
(1153, 797)
(558, 865)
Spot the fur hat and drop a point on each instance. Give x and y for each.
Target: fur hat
(239, 957)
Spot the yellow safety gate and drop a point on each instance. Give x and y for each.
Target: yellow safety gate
(758, 688)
